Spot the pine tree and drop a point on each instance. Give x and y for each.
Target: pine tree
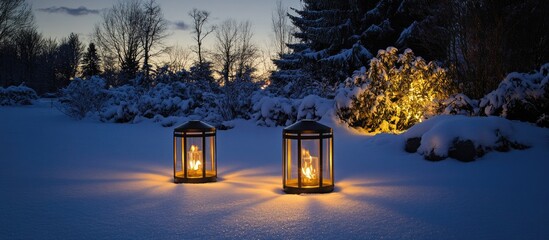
(69, 54)
(416, 24)
(324, 30)
(336, 38)
(91, 62)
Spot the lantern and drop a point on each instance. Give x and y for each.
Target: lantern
(194, 153)
(307, 158)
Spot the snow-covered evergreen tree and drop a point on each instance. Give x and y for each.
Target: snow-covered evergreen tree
(336, 38)
(69, 54)
(416, 24)
(324, 31)
(91, 62)
(202, 74)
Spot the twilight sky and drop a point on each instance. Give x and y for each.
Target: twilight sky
(58, 18)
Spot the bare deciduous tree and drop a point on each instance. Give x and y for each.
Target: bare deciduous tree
(14, 15)
(200, 18)
(28, 43)
(119, 34)
(49, 50)
(247, 51)
(265, 63)
(153, 31)
(282, 29)
(225, 56)
(235, 53)
(178, 58)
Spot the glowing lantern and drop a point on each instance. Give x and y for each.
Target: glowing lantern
(307, 158)
(194, 153)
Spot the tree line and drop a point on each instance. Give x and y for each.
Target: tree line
(122, 47)
(315, 48)
(26, 56)
(479, 41)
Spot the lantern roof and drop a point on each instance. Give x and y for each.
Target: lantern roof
(307, 126)
(194, 126)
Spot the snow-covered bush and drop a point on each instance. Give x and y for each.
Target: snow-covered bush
(121, 106)
(165, 100)
(206, 107)
(520, 96)
(397, 91)
(459, 104)
(237, 101)
(181, 95)
(82, 97)
(274, 111)
(17, 95)
(130, 103)
(279, 111)
(313, 107)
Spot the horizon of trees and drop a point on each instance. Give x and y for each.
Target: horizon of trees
(479, 41)
(124, 41)
(314, 49)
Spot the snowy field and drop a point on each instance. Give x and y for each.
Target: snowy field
(67, 179)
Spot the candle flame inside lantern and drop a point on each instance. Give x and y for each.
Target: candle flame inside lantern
(195, 157)
(307, 169)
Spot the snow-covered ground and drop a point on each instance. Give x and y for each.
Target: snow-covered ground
(67, 179)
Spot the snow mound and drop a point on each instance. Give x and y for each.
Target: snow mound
(454, 136)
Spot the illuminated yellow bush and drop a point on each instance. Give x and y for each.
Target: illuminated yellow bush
(396, 92)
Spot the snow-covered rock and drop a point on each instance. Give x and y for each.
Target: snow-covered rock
(444, 134)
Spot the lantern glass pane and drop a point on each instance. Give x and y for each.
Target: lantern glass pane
(327, 162)
(178, 157)
(210, 157)
(291, 158)
(310, 163)
(195, 162)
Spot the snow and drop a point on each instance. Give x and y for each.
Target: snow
(438, 133)
(356, 53)
(405, 34)
(516, 86)
(68, 179)
(275, 111)
(520, 96)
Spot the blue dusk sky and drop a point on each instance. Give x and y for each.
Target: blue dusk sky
(58, 18)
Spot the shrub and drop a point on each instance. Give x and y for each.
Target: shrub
(237, 102)
(520, 96)
(397, 91)
(460, 104)
(17, 95)
(280, 111)
(121, 106)
(81, 97)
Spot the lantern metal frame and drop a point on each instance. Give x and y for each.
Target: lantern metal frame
(307, 130)
(194, 129)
